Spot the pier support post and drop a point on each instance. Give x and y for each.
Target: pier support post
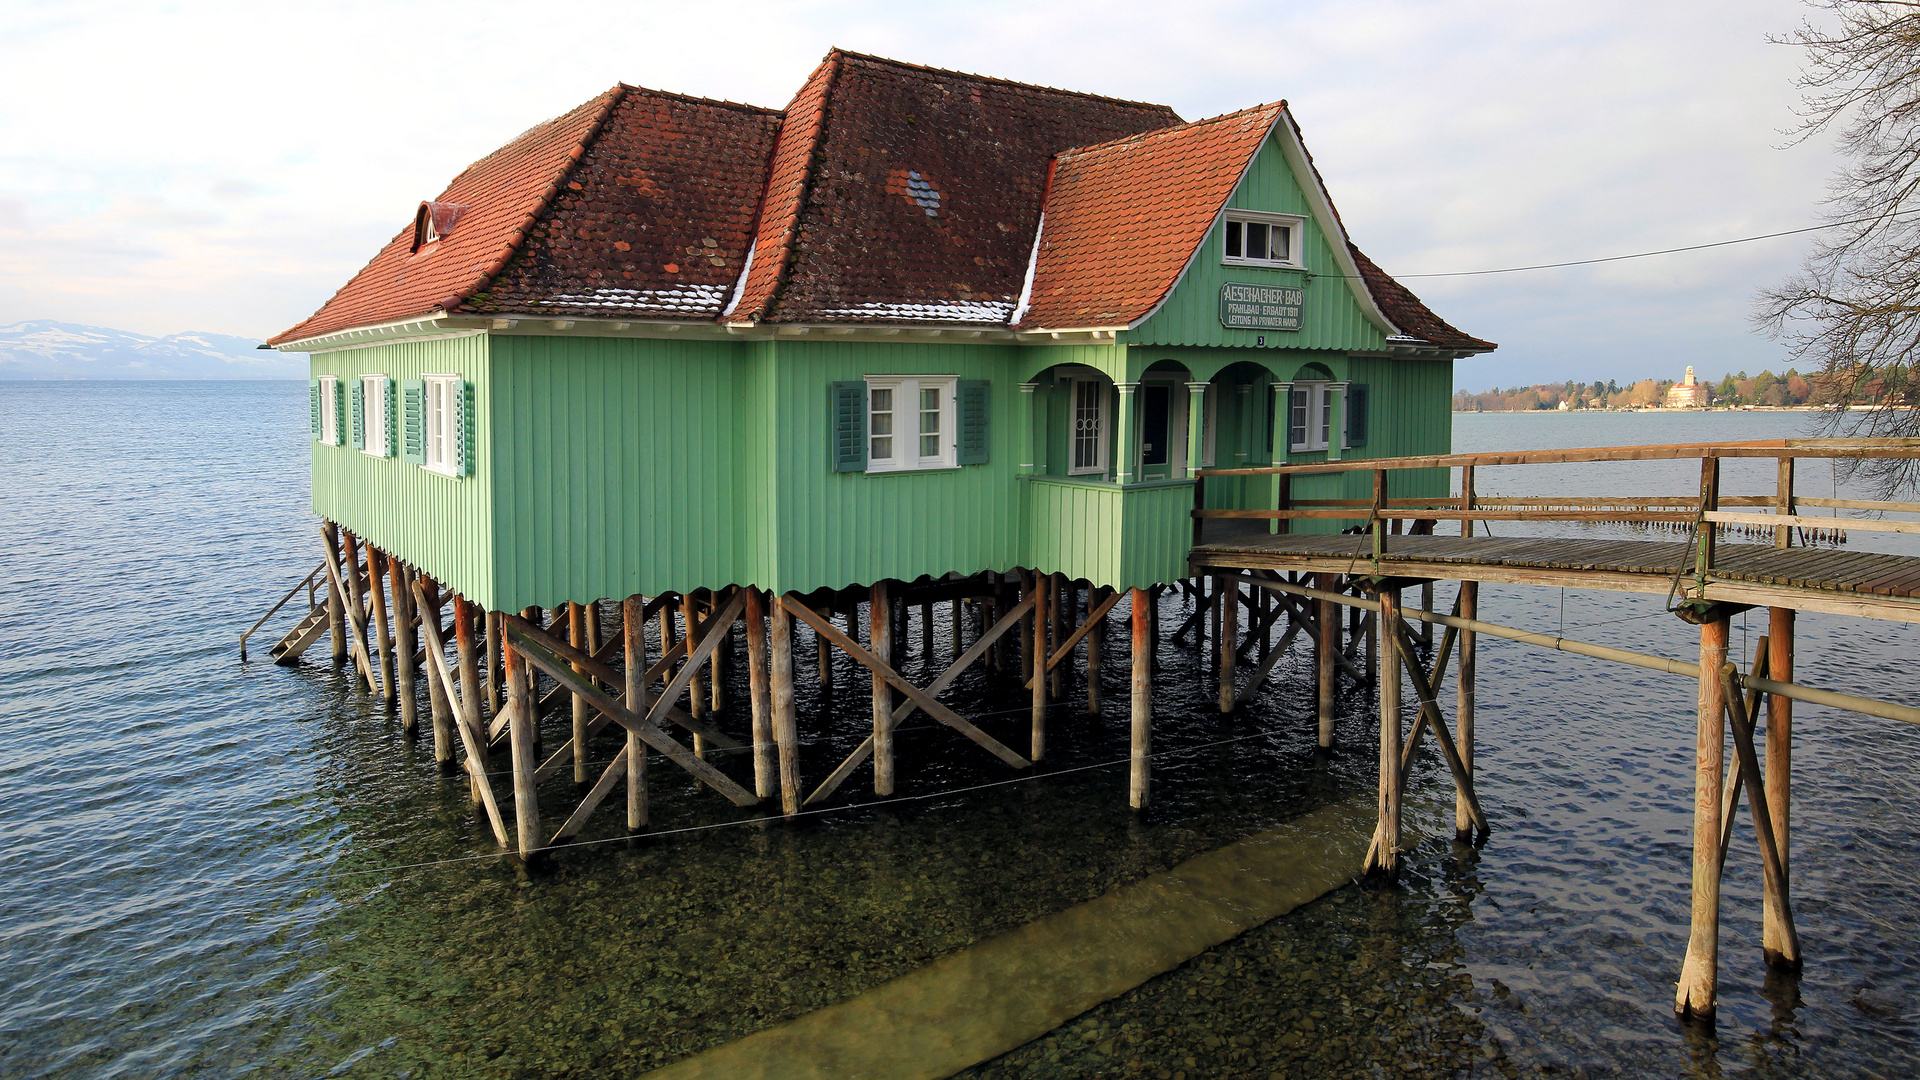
(1058, 610)
(633, 635)
(1778, 940)
(1229, 640)
(336, 604)
(582, 712)
(1138, 777)
(697, 687)
(436, 693)
(496, 635)
(1384, 854)
(1694, 998)
(356, 617)
(1327, 614)
(1037, 664)
(1469, 605)
(520, 736)
(382, 625)
(405, 645)
(785, 736)
(764, 766)
(880, 643)
(469, 676)
(1096, 645)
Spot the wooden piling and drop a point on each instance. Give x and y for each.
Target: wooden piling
(785, 735)
(1096, 645)
(764, 767)
(1229, 639)
(633, 633)
(582, 712)
(1780, 944)
(469, 670)
(355, 600)
(697, 687)
(442, 710)
(496, 636)
(1469, 605)
(1694, 998)
(1057, 610)
(521, 735)
(336, 603)
(880, 643)
(405, 645)
(1141, 748)
(1384, 854)
(1037, 666)
(382, 624)
(1327, 615)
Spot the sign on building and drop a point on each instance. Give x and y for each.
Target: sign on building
(1262, 307)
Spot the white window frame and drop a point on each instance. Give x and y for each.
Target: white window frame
(329, 410)
(1102, 411)
(1296, 231)
(378, 413)
(1315, 399)
(440, 452)
(907, 423)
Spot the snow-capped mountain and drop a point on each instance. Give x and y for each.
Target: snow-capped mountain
(56, 350)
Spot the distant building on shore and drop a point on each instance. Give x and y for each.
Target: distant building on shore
(1688, 394)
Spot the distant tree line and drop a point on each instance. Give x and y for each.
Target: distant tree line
(1734, 389)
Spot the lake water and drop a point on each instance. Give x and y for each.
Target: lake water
(217, 869)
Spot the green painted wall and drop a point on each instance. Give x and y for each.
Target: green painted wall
(1129, 537)
(439, 523)
(1333, 318)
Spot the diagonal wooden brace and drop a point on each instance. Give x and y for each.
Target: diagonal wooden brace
(1066, 647)
(601, 789)
(608, 675)
(1403, 641)
(907, 708)
(358, 614)
(1736, 774)
(918, 696)
(1773, 874)
(537, 655)
(466, 720)
(1266, 666)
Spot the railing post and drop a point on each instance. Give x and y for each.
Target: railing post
(1709, 503)
(1284, 502)
(1199, 504)
(1466, 498)
(1783, 503)
(1379, 507)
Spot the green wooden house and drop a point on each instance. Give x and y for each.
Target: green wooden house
(917, 322)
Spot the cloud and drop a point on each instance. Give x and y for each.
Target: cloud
(229, 166)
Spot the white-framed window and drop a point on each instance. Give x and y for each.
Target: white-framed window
(442, 448)
(375, 391)
(1309, 415)
(330, 410)
(1252, 238)
(1088, 454)
(910, 422)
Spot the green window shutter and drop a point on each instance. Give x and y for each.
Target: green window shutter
(848, 401)
(359, 392)
(390, 406)
(975, 404)
(413, 421)
(313, 408)
(463, 429)
(339, 412)
(1357, 414)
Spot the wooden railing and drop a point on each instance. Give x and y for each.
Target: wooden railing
(308, 583)
(1706, 513)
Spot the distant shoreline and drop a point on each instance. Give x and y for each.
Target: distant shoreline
(1663, 409)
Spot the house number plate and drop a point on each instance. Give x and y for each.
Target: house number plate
(1261, 307)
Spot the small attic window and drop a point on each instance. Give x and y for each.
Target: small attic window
(1256, 239)
(435, 220)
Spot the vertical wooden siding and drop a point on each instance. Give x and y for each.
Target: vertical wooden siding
(438, 523)
(1333, 318)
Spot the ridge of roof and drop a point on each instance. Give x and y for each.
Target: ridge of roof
(1186, 125)
(889, 62)
(695, 99)
(363, 300)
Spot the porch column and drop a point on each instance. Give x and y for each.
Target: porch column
(1282, 443)
(1336, 419)
(1126, 441)
(1196, 425)
(1030, 433)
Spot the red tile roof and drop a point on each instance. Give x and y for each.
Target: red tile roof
(1124, 219)
(885, 192)
(504, 194)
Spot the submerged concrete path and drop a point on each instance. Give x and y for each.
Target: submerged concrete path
(985, 1000)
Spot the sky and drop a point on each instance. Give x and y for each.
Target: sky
(167, 167)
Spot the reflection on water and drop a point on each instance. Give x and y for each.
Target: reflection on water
(216, 868)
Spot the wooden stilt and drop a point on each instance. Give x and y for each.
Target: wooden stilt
(1141, 748)
(1326, 650)
(717, 666)
(336, 603)
(1384, 854)
(1778, 939)
(582, 712)
(1057, 613)
(880, 638)
(436, 693)
(382, 625)
(1026, 581)
(406, 645)
(697, 688)
(1426, 604)
(764, 767)
(1096, 645)
(494, 680)
(823, 655)
(356, 604)
(1469, 606)
(521, 734)
(1699, 974)
(469, 670)
(1371, 624)
(1229, 638)
(633, 632)
(1037, 666)
(785, 736)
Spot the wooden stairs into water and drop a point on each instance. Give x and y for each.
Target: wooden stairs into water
(304, 633)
